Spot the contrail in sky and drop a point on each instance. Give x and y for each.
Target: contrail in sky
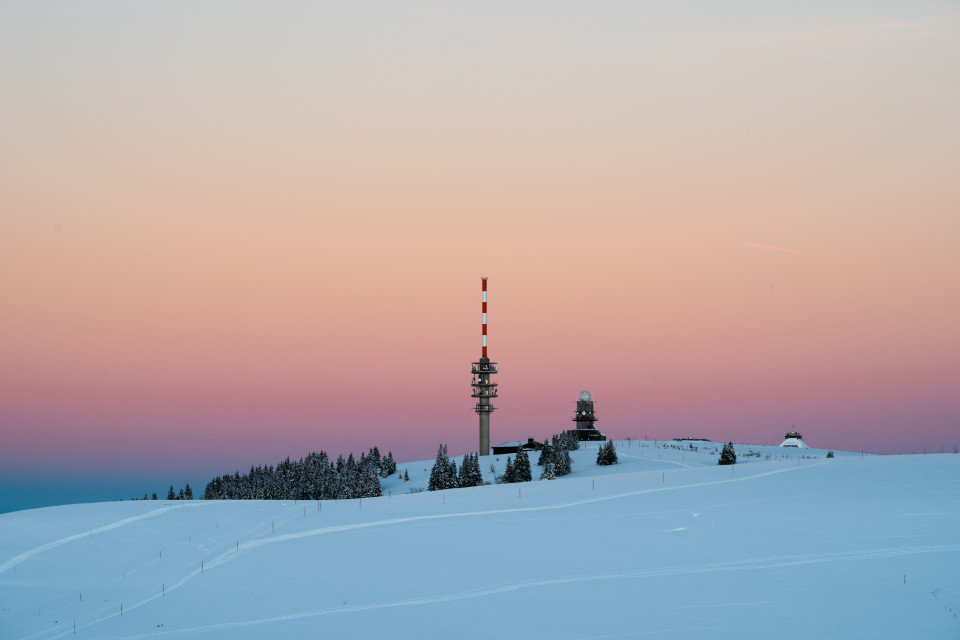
(770, 248)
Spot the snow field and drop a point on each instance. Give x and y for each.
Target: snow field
(665, 544)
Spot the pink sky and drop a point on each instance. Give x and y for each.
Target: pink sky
(232, 235)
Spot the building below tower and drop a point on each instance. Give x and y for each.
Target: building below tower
(513, 447)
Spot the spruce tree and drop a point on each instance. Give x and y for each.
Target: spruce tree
(546, 454)
(350, 481)
(548, 472)
(369, 480)
(441, 467)
(188, 492)
(451, 477)
(569, 441)
(728, 455)
(562, 465)
(377, 460)
(170, 494)
(470, 475)
(521, 469)
(475, 470)
(388, 465)
(509, 473)
(607, 454)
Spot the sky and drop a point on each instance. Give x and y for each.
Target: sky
(236, 232)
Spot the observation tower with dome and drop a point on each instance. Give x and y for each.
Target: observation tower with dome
(586, 431)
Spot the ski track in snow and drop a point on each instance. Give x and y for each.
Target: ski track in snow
(771, 562)
(680, 464)
(233, 553)
(247, 547)
(653, 632)
(6, 566)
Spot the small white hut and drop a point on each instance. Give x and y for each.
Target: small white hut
(794, 440)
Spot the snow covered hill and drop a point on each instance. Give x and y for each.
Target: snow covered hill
(786, 543)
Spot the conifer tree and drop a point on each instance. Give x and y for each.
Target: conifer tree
(509, 473)
(388, 466)
(470, 475)
(451, 477)
(569, 441)
(607, 454)
(477, 473)
(440, 471)
(548, 472)
(377, 460)
(562, 465)
(369, 479)
(349, 480)
(728, 455)
(546, 454)
(521, 469)
(170, 494)
(188, 492)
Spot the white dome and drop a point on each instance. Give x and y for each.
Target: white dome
(585, 396)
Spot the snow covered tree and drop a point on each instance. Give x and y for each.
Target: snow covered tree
(521, 469)
(509, 473)
(154, 497)
(452, 475)
(170, 494)
(406, 475)
(388, 466)
(350, 480)
(188, 492)
(548, 472)
(369, 480)
(568, 441)
(607, 454)
(476, 472)
(546, 454)
(562, 464)
(377, 460)
(728, 455)
(440, 474)
(470, 475)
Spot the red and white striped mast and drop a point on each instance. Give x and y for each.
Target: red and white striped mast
(483, 315)
(483, 389)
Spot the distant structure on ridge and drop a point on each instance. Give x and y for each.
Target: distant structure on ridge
(483, 389)
(795, 440)
(586, 431)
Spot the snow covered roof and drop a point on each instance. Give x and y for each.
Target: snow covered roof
(794, 442)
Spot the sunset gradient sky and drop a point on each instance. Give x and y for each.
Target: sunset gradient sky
(236, 231)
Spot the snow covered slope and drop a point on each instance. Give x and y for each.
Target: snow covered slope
(665, 544)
